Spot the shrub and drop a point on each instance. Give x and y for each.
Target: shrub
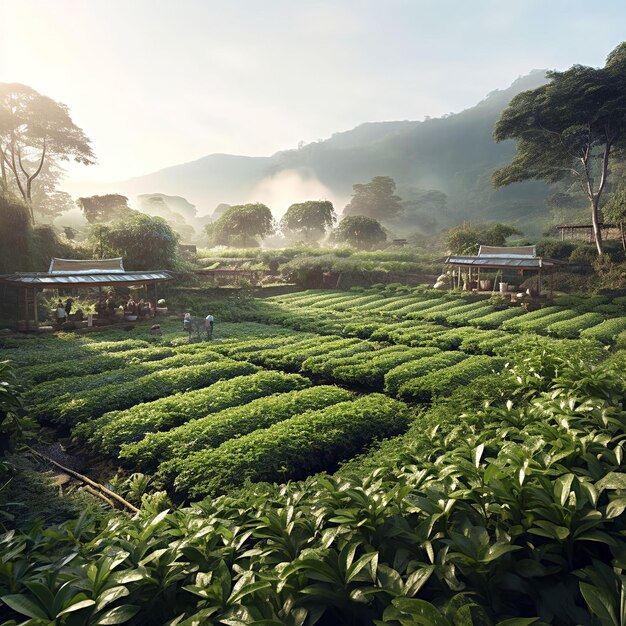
(47, 396)
(27, 357)
(424, 334)
(495, 319)
(571, 328)
(112, 430)
(606, 331)
(513, 324)
(360, 329)
(396, 377)
(295, 448)
(538, 324)
(385, 332)
(444, 381)
(370, 371)
(465, 317)
(441, 310)
(324, 364)
(291, 357)
(94, 364)
(212, 431)
(388, 304)
(416, 307)
(94, 403)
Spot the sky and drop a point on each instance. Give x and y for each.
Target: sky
(155, 83)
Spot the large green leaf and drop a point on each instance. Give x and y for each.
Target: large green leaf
(118, 615)
(600, 603)
(25, 606)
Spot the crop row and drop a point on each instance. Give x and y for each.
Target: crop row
(606, 331)
(516, 506)
(115, 429)
(291, 357)
(292, 449)
(215, 428)
(444, 381)
(27, 357)
(328, 315)
(93, 403)
(93, 364)
(45, 396)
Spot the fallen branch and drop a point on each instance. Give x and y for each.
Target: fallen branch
(87, 481)
(100, 495)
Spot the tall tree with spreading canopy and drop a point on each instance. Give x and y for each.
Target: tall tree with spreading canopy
(360, 231)
(375, 199)
(34, 131)
(569, 128)
(467, 239)
(241, 226)
(309, 221)
(144, 241)
(111, 206)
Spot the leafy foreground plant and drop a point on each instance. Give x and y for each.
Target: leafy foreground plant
(514, 518)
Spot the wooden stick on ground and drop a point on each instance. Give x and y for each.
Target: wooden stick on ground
(87, 481)
(100, 495)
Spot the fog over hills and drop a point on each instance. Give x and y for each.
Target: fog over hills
(454, 154)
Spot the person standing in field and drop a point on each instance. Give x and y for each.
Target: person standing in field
(208, 325)
(187, 325)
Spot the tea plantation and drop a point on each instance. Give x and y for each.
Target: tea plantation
(385, 456)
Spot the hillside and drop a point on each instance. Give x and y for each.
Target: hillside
(454, 154)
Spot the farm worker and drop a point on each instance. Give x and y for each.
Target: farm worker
(208, 324)
(68, 306)
(60, 313)
(187, 324)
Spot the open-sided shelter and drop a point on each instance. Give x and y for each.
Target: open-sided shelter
(76, 274)
(523, 259)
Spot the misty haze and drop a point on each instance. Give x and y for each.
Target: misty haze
(312, 313)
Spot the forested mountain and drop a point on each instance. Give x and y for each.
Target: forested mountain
(454, 154)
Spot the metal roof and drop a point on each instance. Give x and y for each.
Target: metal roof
(519, 262)
(502, 252)
(86, 266)
(41, 280)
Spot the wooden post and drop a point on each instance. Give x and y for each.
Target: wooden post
(17, 308)
(26, 314)
(539, 282)
(551, 281)
(35, 311)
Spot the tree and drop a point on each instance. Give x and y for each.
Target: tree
(241, 226)
(309, 221)
(375, 199)
(614, 210)
(144, 241)
(34, 131)
(15, 234)
(422, 209)
(360, 231)
(466, 239)
(219, 210)
(569, 128)
(105, 208)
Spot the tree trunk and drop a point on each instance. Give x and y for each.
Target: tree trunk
(623, 234)
(4, 184)
(597, 230)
